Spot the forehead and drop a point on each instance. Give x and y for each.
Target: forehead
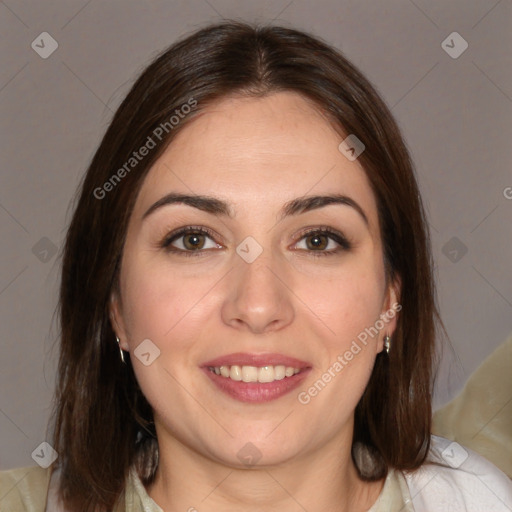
(258, 153)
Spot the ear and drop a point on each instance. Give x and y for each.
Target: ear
(117, 321)
(390, 311)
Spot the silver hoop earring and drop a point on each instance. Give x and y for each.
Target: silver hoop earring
(120, 349)
(387, 343)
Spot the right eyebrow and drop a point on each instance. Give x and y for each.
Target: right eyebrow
(204, 203)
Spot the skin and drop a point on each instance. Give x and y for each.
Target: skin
(256, 154)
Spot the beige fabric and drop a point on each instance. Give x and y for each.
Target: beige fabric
(480, 417)
(137, 499)
(394, 496)
(24, 489)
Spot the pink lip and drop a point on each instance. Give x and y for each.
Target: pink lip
(241, 359)
(256, 392)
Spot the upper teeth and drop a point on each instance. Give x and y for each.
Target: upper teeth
(254, 373)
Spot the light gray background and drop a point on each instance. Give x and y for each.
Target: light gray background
(455, 114)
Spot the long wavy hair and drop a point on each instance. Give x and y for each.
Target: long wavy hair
(102, 423)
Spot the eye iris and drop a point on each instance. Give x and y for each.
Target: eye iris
(193, 241)
(317, 241)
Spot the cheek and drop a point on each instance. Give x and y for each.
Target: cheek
(347, 302)
(163, 304)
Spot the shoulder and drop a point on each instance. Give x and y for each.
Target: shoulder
(456, 478)
(24, 489)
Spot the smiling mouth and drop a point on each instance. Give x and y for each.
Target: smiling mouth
(263, 374)
(256, 384)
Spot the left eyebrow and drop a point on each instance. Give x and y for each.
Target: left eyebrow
(219, 207)
(308, 203)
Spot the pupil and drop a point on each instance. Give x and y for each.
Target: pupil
(316, 241)
(194, 241)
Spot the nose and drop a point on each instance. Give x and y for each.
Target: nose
(258, 298)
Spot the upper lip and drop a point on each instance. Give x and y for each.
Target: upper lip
(247, 359)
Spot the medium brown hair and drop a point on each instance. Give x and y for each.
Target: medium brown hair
(102, 422)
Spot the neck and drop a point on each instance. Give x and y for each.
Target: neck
(317, 481)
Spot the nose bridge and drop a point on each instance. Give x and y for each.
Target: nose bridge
(257, 296)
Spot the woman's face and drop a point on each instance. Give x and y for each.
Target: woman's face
(264, 288)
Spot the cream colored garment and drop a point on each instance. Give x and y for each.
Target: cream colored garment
(480, 417)
(24, 489)
(457, 479)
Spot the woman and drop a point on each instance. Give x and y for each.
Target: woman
(247, 304)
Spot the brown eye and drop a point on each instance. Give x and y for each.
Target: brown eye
(193, 241)
(317, 241)
(323, 242)
(190, 241)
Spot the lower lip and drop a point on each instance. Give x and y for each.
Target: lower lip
(257, 392)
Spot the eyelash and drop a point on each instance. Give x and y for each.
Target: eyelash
(342, 241)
